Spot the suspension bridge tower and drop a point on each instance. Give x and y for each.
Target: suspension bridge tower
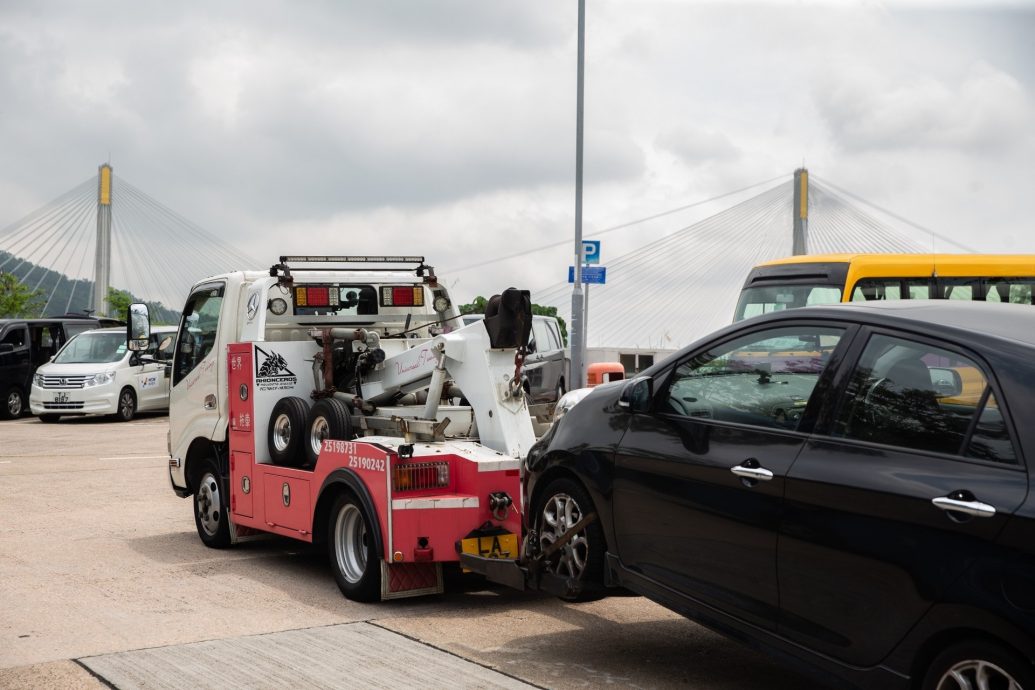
(102, 254)
(800, 238)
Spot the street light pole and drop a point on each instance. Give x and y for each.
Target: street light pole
(578, 340)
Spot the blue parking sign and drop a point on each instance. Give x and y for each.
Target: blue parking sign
(591, 250)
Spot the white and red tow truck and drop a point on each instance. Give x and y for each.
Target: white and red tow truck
(338, 400)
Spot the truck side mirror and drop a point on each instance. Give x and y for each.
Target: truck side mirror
(138, 328)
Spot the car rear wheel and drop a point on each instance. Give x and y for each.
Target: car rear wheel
(127, 408)
(210, 514)
(978, 664)
(564, 503)
(353, 550)
(13, 403)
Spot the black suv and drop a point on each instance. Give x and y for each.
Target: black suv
(26, 344)
(847, 487)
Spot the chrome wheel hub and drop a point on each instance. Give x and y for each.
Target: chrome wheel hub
(208, 504)
(350, 540)
(560, 514)
(317, 433)
(281, 433)
(976, 674)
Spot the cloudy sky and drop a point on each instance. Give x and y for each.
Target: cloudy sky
(447, 127)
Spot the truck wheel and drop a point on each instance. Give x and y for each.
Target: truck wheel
(210, 514)
(564, 503)
(127, 408)
(287, 432)
(328, 418)
(978, 664)
(13, 403)
(353, 552)
(49, 418)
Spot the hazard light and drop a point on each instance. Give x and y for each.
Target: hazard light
(419, 476)
(402, 296)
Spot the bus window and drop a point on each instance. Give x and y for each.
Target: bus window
(762, 300)
(1013, 290)
(873, 289)
(958, 288)
(918, 289)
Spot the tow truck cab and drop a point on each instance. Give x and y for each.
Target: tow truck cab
(340, 399)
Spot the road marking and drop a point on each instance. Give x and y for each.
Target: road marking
(5, 462)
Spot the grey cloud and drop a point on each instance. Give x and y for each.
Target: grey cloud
(696, 146)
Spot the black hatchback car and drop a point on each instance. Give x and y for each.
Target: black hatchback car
(847, 487)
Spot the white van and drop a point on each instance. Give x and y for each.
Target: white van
(94, 373)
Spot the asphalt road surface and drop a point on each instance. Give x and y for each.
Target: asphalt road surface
(104, 583)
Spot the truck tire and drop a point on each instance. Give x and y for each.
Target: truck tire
(564, 503)
(13, 404)
(210, 504)
(328, 418)
(353, 551)
(286, 432)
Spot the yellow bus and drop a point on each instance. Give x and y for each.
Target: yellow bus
(798, 281)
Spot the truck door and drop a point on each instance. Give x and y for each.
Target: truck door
(194, 400)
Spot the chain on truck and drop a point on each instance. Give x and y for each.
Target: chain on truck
(338, 400)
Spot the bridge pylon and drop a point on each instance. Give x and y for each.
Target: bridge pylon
(102, 253)
(800, 236)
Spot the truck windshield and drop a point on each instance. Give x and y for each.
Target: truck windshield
(762, 300)
(93, 348)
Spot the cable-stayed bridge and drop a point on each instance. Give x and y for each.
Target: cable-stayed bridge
(142, 247)
(669, 292)
(659, 296)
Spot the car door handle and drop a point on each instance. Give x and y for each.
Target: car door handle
(210, 402)
(955, 505)
(757, 473)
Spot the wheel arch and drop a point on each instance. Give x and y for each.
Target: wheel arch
(200, 450)
(943, 639)
(565, 466)
(338, 482)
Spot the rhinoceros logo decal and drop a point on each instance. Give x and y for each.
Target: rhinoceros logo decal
(271, 371)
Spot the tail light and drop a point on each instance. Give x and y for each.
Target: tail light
(419, 476)
(402, 296)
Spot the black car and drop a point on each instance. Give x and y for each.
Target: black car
(847, 487)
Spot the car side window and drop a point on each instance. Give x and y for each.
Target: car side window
(919, 396)
(765, 378)
(16, 337)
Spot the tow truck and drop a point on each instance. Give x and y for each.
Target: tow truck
(340, 400)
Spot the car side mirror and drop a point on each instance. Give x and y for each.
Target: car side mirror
(637, 394)
(947, 382)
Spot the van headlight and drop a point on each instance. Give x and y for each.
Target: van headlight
(99, 379)
(37, 378)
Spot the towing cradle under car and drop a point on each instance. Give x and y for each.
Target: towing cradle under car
(530, 572)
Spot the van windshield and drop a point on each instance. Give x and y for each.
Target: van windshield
(762, 300)
(93, 348)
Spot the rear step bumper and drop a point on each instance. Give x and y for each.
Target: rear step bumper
(517, 576)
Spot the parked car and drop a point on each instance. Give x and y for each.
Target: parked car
(95, 373)
(547, 362)
(24, 345)
(848, 487)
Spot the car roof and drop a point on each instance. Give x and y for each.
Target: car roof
(1007, 321)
